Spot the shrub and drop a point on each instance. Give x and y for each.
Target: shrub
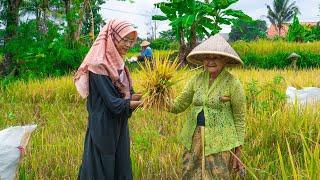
(162, 44)
(296, 31)
(41, 55)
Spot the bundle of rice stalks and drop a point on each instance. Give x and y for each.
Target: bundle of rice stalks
(157, 79)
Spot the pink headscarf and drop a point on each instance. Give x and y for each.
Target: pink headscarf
(103, 58)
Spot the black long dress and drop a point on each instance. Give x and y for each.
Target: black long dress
(107, 145)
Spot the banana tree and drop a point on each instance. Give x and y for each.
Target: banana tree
(192, 19)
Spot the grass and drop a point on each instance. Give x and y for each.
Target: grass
(267, 47)
(282, 142)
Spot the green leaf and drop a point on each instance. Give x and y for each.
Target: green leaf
(166, 9)
(208, 23)
(222, 4)
(201, 30)
(215, 31)
(158, 5)
(177, 22)
(159, 17)
(237, 13)
(222, 20)
(188, 20)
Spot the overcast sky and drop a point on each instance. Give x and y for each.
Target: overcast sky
(140, 12)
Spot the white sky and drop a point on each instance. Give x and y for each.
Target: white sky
(140, 12)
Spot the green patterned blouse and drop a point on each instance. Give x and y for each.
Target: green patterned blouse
(225, 121)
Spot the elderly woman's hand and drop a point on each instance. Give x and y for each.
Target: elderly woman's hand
(237, 165)
(136, 97)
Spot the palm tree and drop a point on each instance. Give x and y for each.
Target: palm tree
(283, 11)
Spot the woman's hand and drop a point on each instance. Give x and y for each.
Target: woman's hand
(135, 104)
(237, 165)
(136, 97)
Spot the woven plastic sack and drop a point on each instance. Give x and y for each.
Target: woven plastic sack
(303, 97)
(10, 139)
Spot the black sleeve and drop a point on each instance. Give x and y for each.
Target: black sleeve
(107, 91)
(132, 91)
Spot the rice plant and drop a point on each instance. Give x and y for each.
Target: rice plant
(56, 146)
(157, 78)
(305, 166)
(267, 47)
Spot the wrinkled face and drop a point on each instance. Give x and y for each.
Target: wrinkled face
(214, 63)
(125, 44)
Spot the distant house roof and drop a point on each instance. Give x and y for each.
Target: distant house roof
(273, 30)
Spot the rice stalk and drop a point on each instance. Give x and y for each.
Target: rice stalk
(157, 79)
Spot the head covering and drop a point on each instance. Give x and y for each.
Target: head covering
(144, 43)
(103, 57)
(294, 56)
(215, 45)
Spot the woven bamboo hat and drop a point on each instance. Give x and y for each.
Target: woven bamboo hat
(144, 43)
(294, 56)
(215, 45)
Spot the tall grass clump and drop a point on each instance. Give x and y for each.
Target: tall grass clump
(304, 166)
(157, 78)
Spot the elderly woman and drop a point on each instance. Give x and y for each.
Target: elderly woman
(105, 81)
(214, 133)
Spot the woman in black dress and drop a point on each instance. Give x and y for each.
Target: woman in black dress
(104, 80)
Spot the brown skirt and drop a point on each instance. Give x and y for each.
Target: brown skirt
(217, 166)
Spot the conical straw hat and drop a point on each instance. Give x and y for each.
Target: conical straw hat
(294, 55)
(215, 45)
(144, 43)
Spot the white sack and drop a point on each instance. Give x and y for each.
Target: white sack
(303, 97)
(10, 139)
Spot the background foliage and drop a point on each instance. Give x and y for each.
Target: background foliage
(248, 30)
